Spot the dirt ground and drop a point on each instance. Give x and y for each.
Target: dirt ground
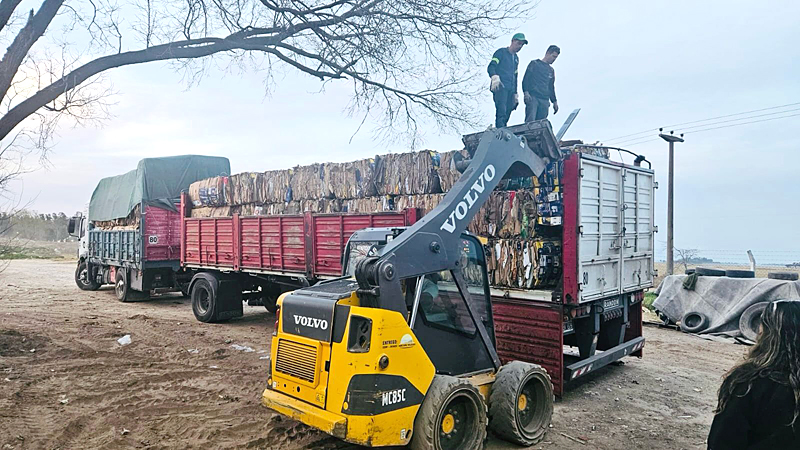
(65, 382)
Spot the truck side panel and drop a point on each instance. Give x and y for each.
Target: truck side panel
(162, 234)
(114, 247)
(331, 232)
(273, 243)
(531, 331)
(209, 242)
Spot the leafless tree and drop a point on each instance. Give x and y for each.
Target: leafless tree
(407, 61)
(686, 255)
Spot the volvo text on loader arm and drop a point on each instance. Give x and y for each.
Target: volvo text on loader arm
(401, 350)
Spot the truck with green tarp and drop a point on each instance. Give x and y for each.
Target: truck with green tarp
(131, 237)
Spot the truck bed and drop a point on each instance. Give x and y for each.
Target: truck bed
(309, 245)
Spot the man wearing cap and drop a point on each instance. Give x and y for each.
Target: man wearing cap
(503, 69)
(539, 86)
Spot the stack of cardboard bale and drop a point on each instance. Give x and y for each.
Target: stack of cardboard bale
(520, 223)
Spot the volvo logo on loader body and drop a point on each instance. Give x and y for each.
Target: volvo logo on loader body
(470, 199)
(321, 324)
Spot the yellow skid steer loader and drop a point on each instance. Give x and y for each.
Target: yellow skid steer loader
(401, 350)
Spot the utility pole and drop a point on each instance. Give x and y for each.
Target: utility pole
(672, 139)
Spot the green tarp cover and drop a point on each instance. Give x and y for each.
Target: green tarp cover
(156, 181)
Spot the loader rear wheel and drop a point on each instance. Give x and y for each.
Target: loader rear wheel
(452, 417)
(521, 403)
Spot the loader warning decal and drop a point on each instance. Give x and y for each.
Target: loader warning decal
(372, 394)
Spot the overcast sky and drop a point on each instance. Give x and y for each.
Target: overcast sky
(629, 65)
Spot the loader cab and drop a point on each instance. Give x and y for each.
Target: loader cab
(436, 305)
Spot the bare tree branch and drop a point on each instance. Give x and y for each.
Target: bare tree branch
(18, 50)
(7, 8)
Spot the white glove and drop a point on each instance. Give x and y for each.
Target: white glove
(527, 97)
(495, 83)
(516, 99)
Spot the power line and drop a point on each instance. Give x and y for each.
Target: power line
(642, 142)
(704, 120)
(731, 115)
(745, 123)
(637, 141)
(742, 118)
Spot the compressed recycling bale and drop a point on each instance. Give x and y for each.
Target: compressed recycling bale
(524, 263)
(349, 180)
(212, 211)
(275, 186)
(214, 191)
(246, 187)
(307, 182)
(408, 173)
(447, 171)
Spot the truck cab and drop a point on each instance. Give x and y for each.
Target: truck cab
(78, 226)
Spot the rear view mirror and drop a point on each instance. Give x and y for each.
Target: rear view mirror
(72, 226)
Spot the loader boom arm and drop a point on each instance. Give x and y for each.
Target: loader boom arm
(433, 243)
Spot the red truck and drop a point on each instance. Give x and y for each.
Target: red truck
(595, 309)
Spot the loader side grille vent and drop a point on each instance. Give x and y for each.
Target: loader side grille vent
(296, 359)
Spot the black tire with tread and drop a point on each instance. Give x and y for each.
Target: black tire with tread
(694, 322)
(203, 314)
(90, 285)
(789, 276)
(740, 274)
(122, 288)
(427, 423)
(504, 418)
(708, 272)
(271, 304)
(750, 320)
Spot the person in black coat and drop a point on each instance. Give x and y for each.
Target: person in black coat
(759, 399)
(539, 86)
(503, 70)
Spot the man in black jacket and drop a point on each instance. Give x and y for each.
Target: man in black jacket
(503, 70)
(539, 86)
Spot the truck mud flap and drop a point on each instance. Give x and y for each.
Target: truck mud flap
(602, 359)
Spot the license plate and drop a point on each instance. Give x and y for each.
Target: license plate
(611, 303)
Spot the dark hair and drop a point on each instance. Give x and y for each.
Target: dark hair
(553, 48)
(775, 355)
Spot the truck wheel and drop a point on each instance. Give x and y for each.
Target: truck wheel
(521, 403)
(750, 320)
(452, 416)
(271, 303)
(121, 286)
(694, 322)
(84, 279)
(204, 301)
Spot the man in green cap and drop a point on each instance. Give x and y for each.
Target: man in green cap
(503, 70)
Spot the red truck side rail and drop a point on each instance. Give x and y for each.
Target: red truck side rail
(309, 245)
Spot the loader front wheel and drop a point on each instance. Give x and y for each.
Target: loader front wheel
(452, 417)
(521, 403)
